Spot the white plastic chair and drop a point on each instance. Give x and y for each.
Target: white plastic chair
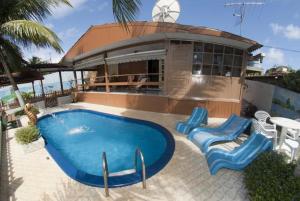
(293, 144)
(262, 117)
(292, 140)
(294, 133)
(267, 130)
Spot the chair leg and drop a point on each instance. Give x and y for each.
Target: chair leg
(293, 154)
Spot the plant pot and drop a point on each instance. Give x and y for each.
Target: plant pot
(34, 146)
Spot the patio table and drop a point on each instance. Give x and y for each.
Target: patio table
(285, 124)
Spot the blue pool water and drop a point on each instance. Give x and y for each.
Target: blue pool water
(76, 139)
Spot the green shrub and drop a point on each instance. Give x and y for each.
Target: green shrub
(33, 109)
(270, 177)
(27, 135)
(27, 96)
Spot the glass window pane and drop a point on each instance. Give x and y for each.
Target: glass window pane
(238, 61)
(206, 70)
(208, 58)
(238, 52)
(228, 60)
(228, 50)
(218, 59)
(227, 71)
(198, 58)
(218, 49)
(197, 69)
(208, 47)
(217, 70)
(236, 72)
(198, 47)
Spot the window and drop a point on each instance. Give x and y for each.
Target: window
(198, 47)
(213, 59)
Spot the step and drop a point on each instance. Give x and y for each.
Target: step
(123, 172)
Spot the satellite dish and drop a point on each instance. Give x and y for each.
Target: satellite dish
(166, 11)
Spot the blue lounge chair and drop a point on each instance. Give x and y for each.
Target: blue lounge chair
(240, 157)
(198, 118)
(228, 131)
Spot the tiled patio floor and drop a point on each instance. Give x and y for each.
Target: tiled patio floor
(36, 177)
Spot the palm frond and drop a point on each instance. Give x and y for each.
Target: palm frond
(29, 32)
(28, 9)
(13, 54)
(125, 11)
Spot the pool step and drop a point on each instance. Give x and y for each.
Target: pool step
(123, 172)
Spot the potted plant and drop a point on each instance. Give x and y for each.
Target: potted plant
(29, 138)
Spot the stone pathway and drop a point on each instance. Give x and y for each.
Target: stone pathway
(36, 177)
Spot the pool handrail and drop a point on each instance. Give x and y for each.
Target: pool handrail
(105, 173)
(138, 152)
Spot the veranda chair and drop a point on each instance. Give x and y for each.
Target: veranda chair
(266, 130)
(292, 140)
(228, 131)
(240, 157)
(263, 117)
(198, 118)
(294, 133)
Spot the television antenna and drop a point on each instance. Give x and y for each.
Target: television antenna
(241, 10)
(166, 11)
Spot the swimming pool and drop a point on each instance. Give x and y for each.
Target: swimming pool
(76, 140)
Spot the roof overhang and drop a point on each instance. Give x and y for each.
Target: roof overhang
(158, 37)
(21, 77)
(89, 62)
(49, 67)
(139, 56)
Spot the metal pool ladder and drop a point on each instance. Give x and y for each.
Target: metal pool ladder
(138, 153)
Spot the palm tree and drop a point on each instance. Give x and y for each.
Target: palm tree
(125, 11)
(20, 24)
(36, 60)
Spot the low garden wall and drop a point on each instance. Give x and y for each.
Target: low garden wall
(61, 100)
(273, 99)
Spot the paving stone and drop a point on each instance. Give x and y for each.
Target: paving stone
(33, 177)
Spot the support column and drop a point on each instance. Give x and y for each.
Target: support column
(106, 74)
(75, 79)
(33, 89)
(243, 73)
(61, 83)
(82, 80)
(43, 91)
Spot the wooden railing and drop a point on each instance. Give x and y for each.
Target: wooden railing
(57, 93)
(152, 79)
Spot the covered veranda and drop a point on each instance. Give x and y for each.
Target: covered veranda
(134, 72)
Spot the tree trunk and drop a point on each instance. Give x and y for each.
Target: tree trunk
(11, 79)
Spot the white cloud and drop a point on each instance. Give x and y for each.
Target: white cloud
(62, 10)
(290, 31)
(45, 54)
(71, 32)
(275, 57)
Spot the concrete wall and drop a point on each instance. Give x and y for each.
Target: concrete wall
(180, 83)
(40, 104)
(162, 104)
(259, 94)
(64, 100)
(286, 103)
(273, 99)
(61, 101)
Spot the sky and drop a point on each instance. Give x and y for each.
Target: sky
(274, 24)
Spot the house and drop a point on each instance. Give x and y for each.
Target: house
(163, 67)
